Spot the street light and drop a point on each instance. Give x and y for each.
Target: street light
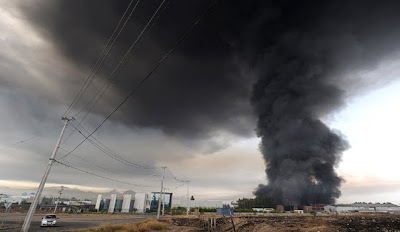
(159, 198)
(188, 200)
(59, 198)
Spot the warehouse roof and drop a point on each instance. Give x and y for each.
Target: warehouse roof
(363, 204)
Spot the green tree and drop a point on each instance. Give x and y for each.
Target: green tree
(258, 202)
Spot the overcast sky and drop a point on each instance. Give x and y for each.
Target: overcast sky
(194, 115)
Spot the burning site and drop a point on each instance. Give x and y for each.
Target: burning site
(303, 55)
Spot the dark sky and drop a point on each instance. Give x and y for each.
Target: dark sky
(204, 87)
(202, 98)
(198, 91)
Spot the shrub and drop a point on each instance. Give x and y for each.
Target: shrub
(152, 225)
(110, 228)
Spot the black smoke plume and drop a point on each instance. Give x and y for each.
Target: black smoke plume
(303, 50)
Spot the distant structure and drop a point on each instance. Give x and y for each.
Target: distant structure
(182, 202)
(141, 202)
(362, 208)
(130, 201)
(318, 207)
(17, 199)
(234, 204)
(155, 196)
(263, 210)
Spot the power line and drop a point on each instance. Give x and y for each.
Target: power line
(109, 78)
(113, 156)
(22, 141)
(173, 176)
(70, 134)
(25, 140)
(91, 163)
(97, 175)
(151, 72)
(176, 186)
(106, 151)
(101, 59)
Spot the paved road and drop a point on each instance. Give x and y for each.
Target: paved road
(74, 221)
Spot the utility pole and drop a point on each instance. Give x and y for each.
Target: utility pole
(32, 208)
(59, 198)
(163, 202)
(159, 198)
(188, 200)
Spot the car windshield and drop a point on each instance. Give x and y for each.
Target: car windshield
(50, 216)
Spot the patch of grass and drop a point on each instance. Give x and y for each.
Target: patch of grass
(152, 225)
(149, 225)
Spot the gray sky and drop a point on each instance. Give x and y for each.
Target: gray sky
(199, 122)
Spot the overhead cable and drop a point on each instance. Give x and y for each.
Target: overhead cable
(106, 151)
(173, 176)
(25, 140)
(106, 51)
(150, 73)
(175, 187)
(109, 78)
(97, 175)
(91, 163)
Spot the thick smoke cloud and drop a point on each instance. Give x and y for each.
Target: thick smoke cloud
(197, 93)
(306, 48)
(299, 52)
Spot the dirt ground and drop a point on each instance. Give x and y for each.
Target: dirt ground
(357, 222)
(278, 223)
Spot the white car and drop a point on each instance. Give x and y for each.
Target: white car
(49, 220)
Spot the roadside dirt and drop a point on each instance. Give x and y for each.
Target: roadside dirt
(359, 222)
(278, 223)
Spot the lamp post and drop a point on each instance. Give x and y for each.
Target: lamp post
(159, 198)
(188, 199)
(163, 202)
(59, 198)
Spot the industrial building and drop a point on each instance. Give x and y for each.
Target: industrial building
(27, 198)
(129, 201)
(362, 208)
(125, 203)
(183, 202)
(263, 210)
(166, 201)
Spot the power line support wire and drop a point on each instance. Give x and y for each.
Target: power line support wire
(32, 208)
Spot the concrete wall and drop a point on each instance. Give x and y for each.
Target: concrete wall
(113, 200)
(97, 206)
(204, 204)
(142, 202)
(347, 209)
(126, 204)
